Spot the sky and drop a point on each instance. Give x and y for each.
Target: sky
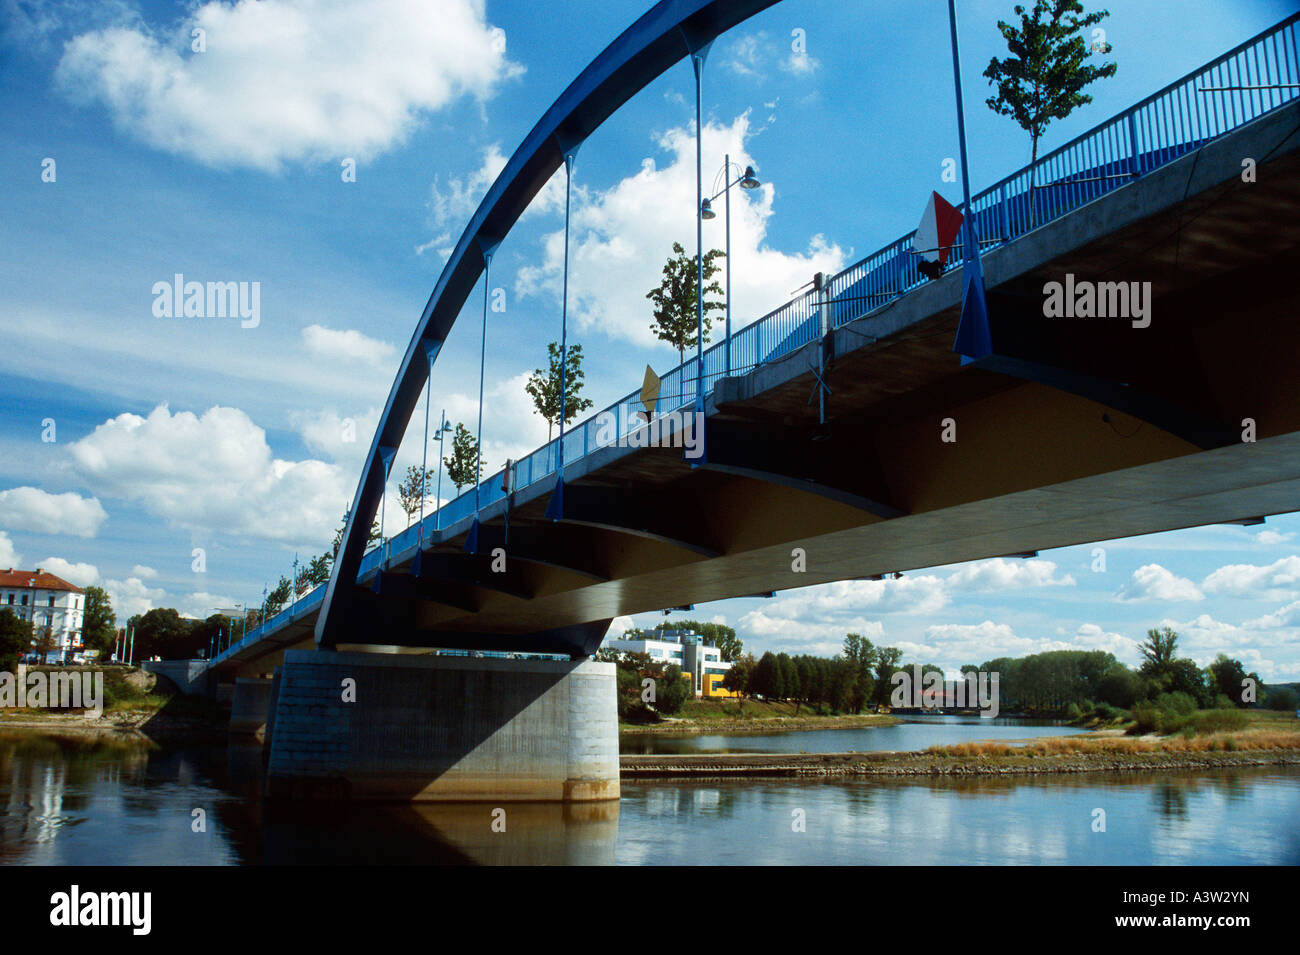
(185, 461)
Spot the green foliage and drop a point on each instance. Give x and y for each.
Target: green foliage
(278, 597)
(163, 632)
(675, 300)
(463, 465)
(1224, 720)
(15, 639)
(1044, 77)
(544, 387)
(98, 622)
(738, 678)
(413, 491)
(1281, 698)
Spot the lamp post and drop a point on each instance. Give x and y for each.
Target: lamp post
(746, 180)
(443, 428)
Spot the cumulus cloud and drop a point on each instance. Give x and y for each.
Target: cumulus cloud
(143, 572)
(345, 440)
(8, 554)
(348, 79)
(1153, 582)
(621, 236)
(212, 473)
(348, 346)
(454, 202)
(79, 575)
(31, 509)
(1276, 581)
(754, 55)
(1001, 574)
(1270, 538)
(132, 596)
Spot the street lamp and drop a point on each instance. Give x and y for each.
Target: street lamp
(746, 180)
(443, 428)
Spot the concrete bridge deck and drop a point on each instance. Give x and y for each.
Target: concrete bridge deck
(1077, 430)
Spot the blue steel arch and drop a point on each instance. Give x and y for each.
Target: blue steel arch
(667, 33)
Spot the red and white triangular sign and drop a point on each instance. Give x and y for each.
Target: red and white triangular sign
(936, 234)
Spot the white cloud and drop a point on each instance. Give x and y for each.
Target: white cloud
(1279, 580)
(288, 80)
(1153, 582)
(131, 597)
(345, 440)
(1288, 616)
(348, 345)
(1270, 537)
(31, 509)
(143, 572)
(79, 575)
(1002, 574)
(202, 605)
(456, 202)
(213, 474)
(754, 55)
(8, 555)
(621, 236)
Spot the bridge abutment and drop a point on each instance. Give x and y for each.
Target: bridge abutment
(363, 726)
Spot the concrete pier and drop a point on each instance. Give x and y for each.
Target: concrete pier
(250, 705)
(357, 726)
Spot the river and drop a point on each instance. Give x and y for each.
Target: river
(93, 804)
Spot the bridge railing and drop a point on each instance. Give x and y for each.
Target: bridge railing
(1238, 87)
(1179, 118)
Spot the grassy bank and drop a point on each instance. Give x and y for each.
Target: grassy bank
(134, 702)
(751, 716)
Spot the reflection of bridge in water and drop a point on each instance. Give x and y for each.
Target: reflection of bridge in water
(1073, 430)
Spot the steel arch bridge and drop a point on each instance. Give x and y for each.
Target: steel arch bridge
(669, 32)
(875, 498)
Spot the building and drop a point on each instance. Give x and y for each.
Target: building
(46, 601)
(700, 661)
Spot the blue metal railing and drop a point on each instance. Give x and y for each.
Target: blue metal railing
(1238, 87)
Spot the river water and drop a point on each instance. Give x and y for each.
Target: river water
(84, 804)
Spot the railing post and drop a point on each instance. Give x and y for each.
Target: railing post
(1133, 144)
(1002, 213)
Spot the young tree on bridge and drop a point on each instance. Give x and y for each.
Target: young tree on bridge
(414, 491)
(1044, 77)
(463, 465)
(674, 300)
(544, 387)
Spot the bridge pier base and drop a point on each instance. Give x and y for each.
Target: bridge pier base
(404, 727)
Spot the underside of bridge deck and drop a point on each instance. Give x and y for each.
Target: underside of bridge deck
(1075, 430)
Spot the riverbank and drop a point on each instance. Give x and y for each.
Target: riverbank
(754, 717)
(1050, 755)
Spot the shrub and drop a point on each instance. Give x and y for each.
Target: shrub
(1179, 704)
(1221, 721)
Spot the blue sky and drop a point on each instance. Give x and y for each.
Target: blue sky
(225, 165)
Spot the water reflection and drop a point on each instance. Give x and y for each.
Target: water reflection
(91, 804)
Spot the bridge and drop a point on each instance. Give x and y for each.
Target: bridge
(837, 437)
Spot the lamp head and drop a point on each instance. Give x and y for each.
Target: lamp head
(706, 210)
(749, 180)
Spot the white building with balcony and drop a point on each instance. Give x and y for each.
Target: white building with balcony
(46, 601)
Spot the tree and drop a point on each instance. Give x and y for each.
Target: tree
(886, 663)
(1044, 77)
(15, 639)
(766, 680)
(414, 491)
(737, 678)
(675, 300)
(163, 632)
(1281, 698)
(98, 622)
(376, 535)
(278, 597)
(544, 388)
(463, 466)
(45, 643)
(1158, 652)
(1227, 676)
(315, 572)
